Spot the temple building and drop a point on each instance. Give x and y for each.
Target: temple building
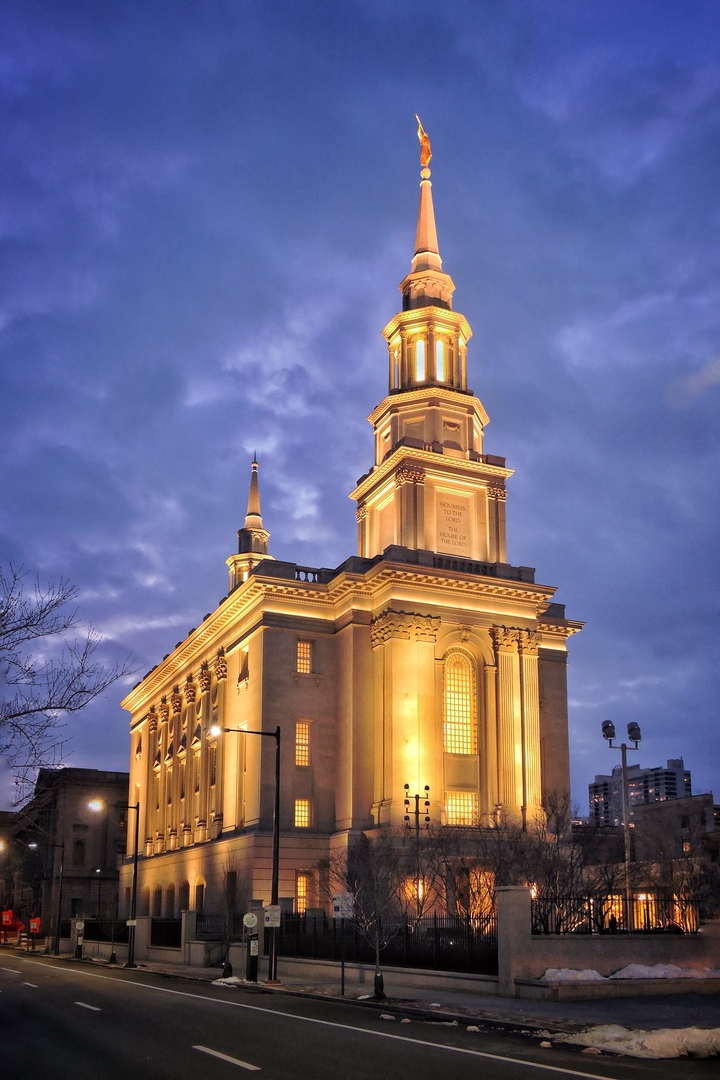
(424, 662)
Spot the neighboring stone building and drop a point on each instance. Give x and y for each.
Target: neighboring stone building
(56, 824)
(644, 786)
(425, 660)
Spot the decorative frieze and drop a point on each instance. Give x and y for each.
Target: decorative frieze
(362, 512)
(220, 666)
(205, 678)
(497, 491)
(409, 474)
(505, 637)
(407, 625)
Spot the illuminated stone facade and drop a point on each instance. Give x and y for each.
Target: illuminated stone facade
(424, 660)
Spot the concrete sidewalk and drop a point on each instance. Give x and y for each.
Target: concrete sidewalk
(434, 1001)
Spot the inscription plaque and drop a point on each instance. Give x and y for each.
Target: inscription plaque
(453, 524)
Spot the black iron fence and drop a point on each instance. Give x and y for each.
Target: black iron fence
(439, 942)
(645, 914)
(165, 933)
(106, 930)
(213, 927)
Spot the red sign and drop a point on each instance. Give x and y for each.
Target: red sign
(34, 926)
(7, 917)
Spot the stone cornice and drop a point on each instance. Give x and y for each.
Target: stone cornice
(418, 316)
(434, 464)
(438, 587)
(564, 629)
(434, 396)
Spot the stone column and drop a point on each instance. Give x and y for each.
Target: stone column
(509, 720)
(407, 480)
(497, 551)
(489, 781)
(529, 643)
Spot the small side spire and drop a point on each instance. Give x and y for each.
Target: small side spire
(252, 536)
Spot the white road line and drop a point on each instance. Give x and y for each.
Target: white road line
(226, 1057)
(331, 1024)
(84, 1006)
(34, 985)
(14, 972)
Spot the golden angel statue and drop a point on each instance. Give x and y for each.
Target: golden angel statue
(425, 151)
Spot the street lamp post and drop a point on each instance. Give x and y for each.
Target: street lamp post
(635, 735)
(96, 805)
(274, 884)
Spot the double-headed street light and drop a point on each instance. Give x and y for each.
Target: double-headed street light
(98, 805)
(634, 735)
(273, 944)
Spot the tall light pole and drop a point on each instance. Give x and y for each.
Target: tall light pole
(634, 735)
(97, 805)
(416, 812)
(274, 884)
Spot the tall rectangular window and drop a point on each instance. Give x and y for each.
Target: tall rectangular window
(440, 361)
(302, 813)
(420, 360)
(461, 808)
(459, 720)
(302, 891)
(302, 742)
(304, 657)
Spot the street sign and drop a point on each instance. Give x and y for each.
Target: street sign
(34, 926)
(342, 904)
(271, 915)
(250, 920)
(7, 917)
(131, 922)
(79, 926)
(254, 946)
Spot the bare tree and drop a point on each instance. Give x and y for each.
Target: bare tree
(49, 669)
(374, 870)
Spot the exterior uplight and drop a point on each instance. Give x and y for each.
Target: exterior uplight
(96, 805)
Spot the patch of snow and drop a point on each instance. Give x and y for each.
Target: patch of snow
(232, 981)
(663, 1043)
(664, 971)
(386, 1016)
(564, 975)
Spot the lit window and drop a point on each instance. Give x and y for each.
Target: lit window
(302, 813)
(461, 808)
(304, 657)
(440, 361)
(302, 743)
(420, 360)
(302, 889)
(459, 722)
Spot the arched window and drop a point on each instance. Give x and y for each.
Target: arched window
(420, 360)
(184, 896)
(170, 902)
(440, 360)
(459, 734)
(78, 855)
(157, 902)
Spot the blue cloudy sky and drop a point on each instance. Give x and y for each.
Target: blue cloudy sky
(206, 208)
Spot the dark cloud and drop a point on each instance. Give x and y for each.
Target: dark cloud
(206, 210)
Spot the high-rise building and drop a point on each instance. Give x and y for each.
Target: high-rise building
(644, 786)
(425, 661)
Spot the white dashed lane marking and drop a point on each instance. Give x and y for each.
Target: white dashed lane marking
(226, 1057)
(83, 1005)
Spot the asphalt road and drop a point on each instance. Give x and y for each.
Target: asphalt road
(66, 1021)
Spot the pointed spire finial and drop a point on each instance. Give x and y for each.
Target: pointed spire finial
(425, 150)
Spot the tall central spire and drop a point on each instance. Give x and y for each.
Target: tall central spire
(426, 285)
(427, 253)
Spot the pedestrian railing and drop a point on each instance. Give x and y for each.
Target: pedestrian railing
(614, 914)
(438, 942)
